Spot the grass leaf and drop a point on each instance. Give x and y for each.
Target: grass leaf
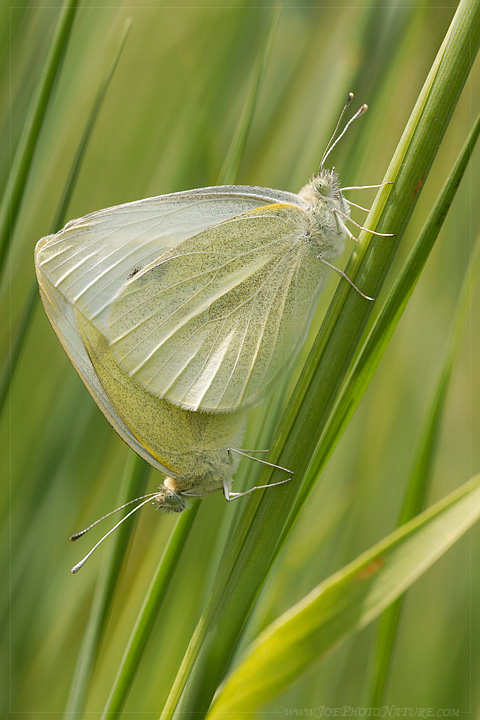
(12, 198)
(345, 603)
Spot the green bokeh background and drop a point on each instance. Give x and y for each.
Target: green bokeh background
(166, 125)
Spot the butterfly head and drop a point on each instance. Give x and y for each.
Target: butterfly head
(327, 209)
(323, 192)
(169, 500)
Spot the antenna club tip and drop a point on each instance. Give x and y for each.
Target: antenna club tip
(75, 536)
(76, 568)
(350, 97)
(364, 108)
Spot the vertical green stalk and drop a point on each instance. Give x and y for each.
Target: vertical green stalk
(148, 614)
(12, 199)
(21, 331)
(233, 158)
(134, 481)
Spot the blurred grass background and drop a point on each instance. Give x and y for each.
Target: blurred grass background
(166, 125)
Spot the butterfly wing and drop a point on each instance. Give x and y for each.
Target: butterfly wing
(92, 258)
(83, 267)
(210, 325)
(65, 321)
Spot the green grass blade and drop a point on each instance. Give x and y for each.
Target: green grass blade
(134, 482)
(235, 153)
(346, 602)
(424, 456)
(21, 331)
(250, 556)
(89, 127)
(389, 317)
(12, 198)
(421, 472)
(148, 614)
(17, 342)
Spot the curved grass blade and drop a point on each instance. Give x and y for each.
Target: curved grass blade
(134, 482)
(236, 150)
(21, 331)
(136, 470)
(345, 603)
(12, 198)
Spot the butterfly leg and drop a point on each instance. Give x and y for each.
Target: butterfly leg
(233, 495)
(244, 453)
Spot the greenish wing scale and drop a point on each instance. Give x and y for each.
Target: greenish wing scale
(212, 323)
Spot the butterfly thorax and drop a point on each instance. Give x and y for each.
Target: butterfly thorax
(326, 208)
(209, 471)
(203, 470)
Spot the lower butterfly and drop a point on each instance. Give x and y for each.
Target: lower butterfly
(180, 311)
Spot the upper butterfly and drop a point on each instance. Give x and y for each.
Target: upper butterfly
(203, 296)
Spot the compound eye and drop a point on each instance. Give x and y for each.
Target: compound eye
(174, 501)
(323, 186)
(169, 501)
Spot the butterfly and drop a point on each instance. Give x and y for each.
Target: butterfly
(180, 312)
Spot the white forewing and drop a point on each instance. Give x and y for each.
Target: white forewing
(90, 260)
(87, 264)
(211, 323)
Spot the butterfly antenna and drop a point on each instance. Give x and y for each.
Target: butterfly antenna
(331, 145)
(82, 562)
(77, 535)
